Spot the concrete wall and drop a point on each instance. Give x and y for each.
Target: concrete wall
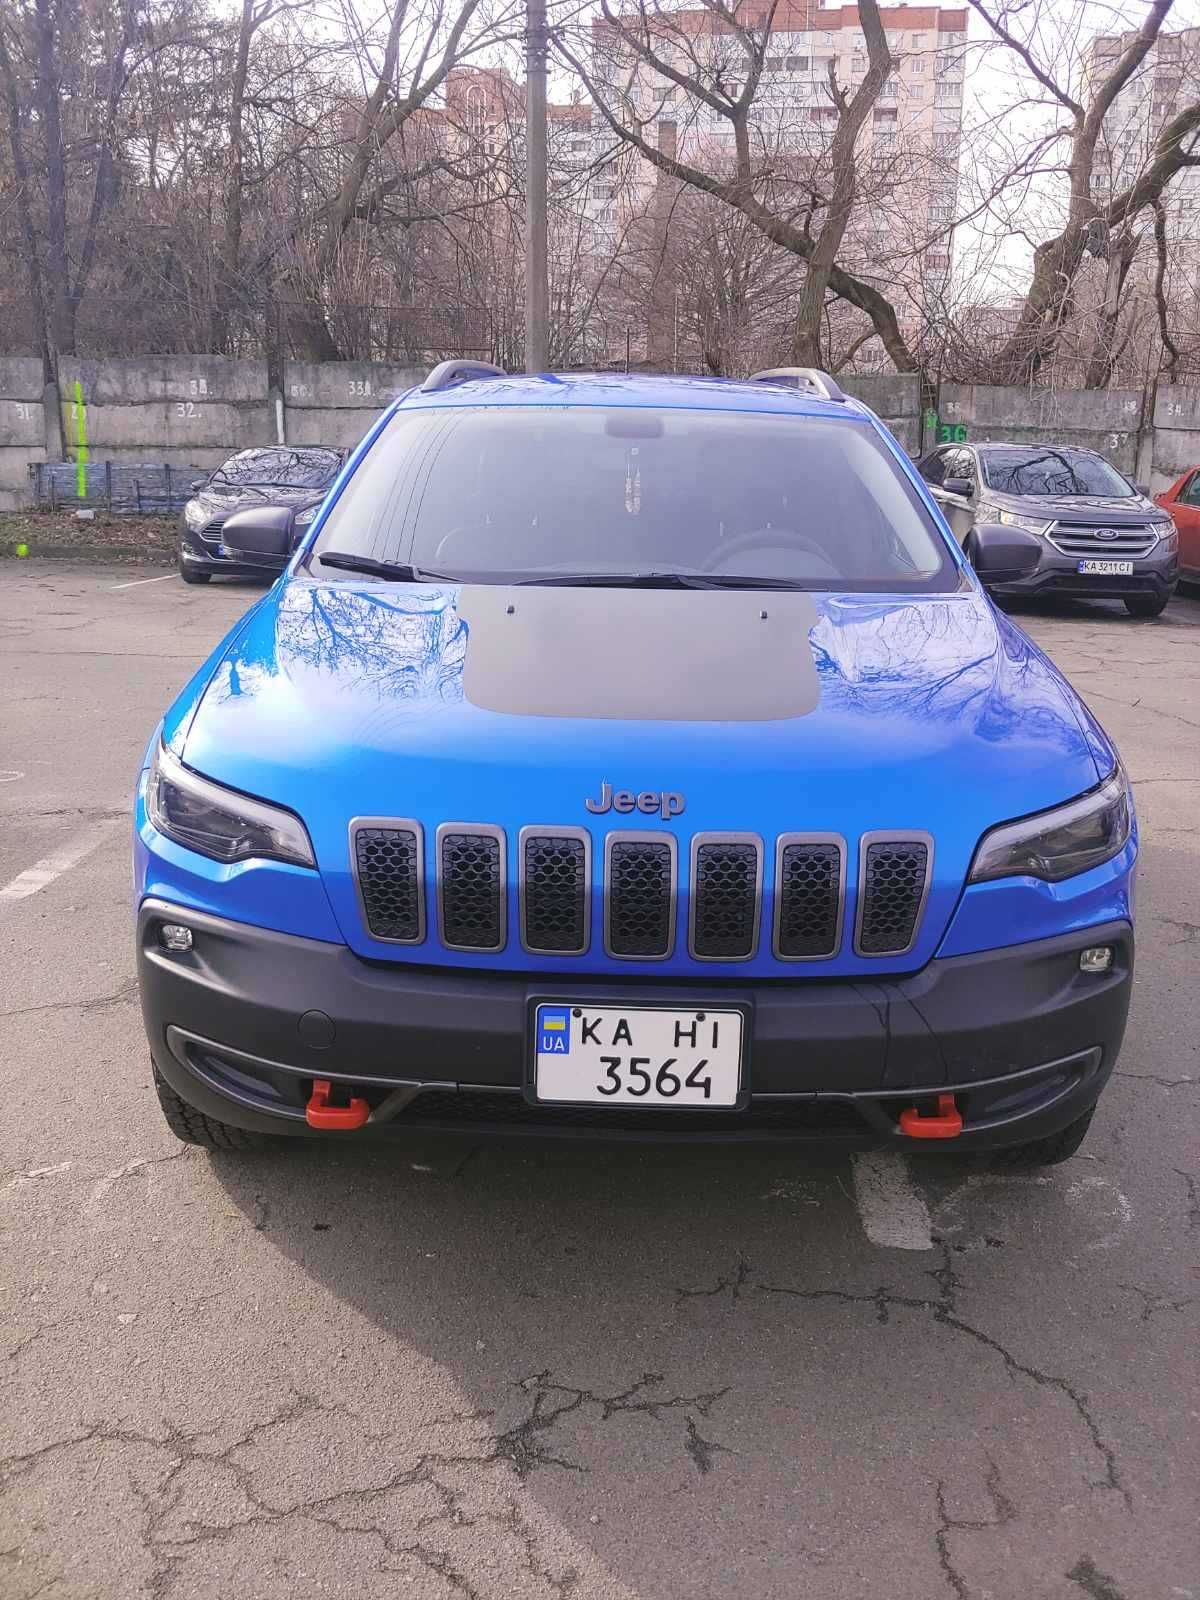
(22, 425)
(897, 400)
(1098, 419)
(193, 411)
(336, 402)
(1176, 434)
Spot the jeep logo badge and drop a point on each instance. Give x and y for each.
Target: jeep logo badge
(666, 804)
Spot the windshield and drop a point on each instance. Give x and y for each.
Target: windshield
(1042, 471)
(279, 469)
(498, 494)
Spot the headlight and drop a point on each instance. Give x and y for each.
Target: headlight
(195, 515)
(1059, 843)
(218, 822)
(303, 518)
(1016, 519)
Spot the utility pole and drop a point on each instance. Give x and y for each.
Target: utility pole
(537, 286)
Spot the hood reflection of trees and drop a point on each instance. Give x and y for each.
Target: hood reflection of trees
(930, 660)
(400, 644)
(938, 660)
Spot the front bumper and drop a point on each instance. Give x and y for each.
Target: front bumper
(1057, 573)
(242, 1024)
(206, 555)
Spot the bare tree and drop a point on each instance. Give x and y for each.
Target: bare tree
(719, 68)
(1090, 222)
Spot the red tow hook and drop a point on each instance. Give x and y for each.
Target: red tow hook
(320, 1114)
(944, 1123)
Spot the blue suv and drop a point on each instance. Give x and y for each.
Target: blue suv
(633, 757)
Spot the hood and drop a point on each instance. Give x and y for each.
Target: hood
(1109, 510)
(768, 712)
(217, 502)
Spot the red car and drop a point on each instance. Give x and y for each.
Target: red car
(1182, 500)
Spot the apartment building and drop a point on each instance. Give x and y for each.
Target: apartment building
(908, 152)
(1160, 88)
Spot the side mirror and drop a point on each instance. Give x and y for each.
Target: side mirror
(260, 537)
(1001, 554)
(196, 485)
(1143, 488)
(959, 486)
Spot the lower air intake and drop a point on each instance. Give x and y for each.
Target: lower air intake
(895, 875)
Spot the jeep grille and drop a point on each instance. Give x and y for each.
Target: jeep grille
(555, 898)
(891, 893)
(720, 900)
(809, 890)
(388, 863)
(640, 898)
(471, 911)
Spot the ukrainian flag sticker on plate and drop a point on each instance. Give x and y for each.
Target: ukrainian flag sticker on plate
(554, 1030)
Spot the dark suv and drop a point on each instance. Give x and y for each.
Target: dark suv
(1101, 536)
(295, 476)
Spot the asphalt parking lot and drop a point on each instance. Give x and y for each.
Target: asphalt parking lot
(509, 1372)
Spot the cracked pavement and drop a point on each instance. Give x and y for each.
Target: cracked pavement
(566, 1372)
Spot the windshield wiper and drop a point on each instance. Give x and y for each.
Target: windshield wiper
(659, 580)
(392, 571)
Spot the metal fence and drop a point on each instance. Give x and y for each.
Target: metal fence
(149, 487)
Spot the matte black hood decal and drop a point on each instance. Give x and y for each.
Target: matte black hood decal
(640, 655)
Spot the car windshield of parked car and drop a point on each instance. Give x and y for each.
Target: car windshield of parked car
(505, 493)
(1056, 472)
(308, 468)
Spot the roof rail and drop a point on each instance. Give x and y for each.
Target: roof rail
(811, 378)
(447, 373)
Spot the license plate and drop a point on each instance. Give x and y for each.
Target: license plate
(1107, 569)
(637, 1055)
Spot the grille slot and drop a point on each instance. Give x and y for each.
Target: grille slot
(726, 896)
(555, 890)
(810, 886)
(389, 866)
(1080, 539)
(893, 882)
(639, 904)
(471, 900)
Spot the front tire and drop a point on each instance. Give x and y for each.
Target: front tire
(1047, 1152)
(193, 1127)
(1146, 605)
(191, 574)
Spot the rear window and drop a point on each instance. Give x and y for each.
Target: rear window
(497, 493)
(1057, 472)
(306, 468)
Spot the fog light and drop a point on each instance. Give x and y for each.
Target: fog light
(174, 936)
(1096, 958)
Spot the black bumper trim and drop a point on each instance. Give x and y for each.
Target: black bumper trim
(274, 1010)
(1035, 1090)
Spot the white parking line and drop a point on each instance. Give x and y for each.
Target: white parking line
(893, 1213)
(137, 582)
(53, 866)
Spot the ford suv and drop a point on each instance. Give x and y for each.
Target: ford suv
(1100, 537)
(633, 757)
